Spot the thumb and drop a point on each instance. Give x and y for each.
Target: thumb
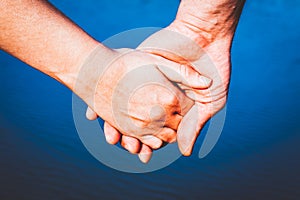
(189, 129)
(184, 74)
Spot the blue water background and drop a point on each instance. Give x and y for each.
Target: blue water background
(257, 156)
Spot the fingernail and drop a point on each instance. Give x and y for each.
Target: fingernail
(157, 145)
(108, 139)
(206, 81)
(130, 148)
(185, 151)
(145, 158)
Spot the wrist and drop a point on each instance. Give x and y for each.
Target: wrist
(67, 73)
(207, 21)
(90, 71)
(202, 34)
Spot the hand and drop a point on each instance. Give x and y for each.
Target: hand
(131, 86)
(201, 36)
(211, 29)
(213, 61)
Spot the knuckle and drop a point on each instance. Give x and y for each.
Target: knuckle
(170, 99)
(157, 113)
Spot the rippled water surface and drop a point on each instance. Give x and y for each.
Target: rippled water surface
(257, 156)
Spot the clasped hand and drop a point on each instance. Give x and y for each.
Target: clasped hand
(137, 94)
(190, 59)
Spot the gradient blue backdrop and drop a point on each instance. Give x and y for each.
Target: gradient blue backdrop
(257, 156)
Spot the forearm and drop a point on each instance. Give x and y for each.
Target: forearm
(207, 21)
(38, 34)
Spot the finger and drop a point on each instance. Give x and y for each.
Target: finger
(152, 141)
(196, 96)
(185, 104)
(185, 75)
(90, 114)
(131, 144)
(167, 135)
(190, 127)
(205, 92)
(145, 153)
(112, 135)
